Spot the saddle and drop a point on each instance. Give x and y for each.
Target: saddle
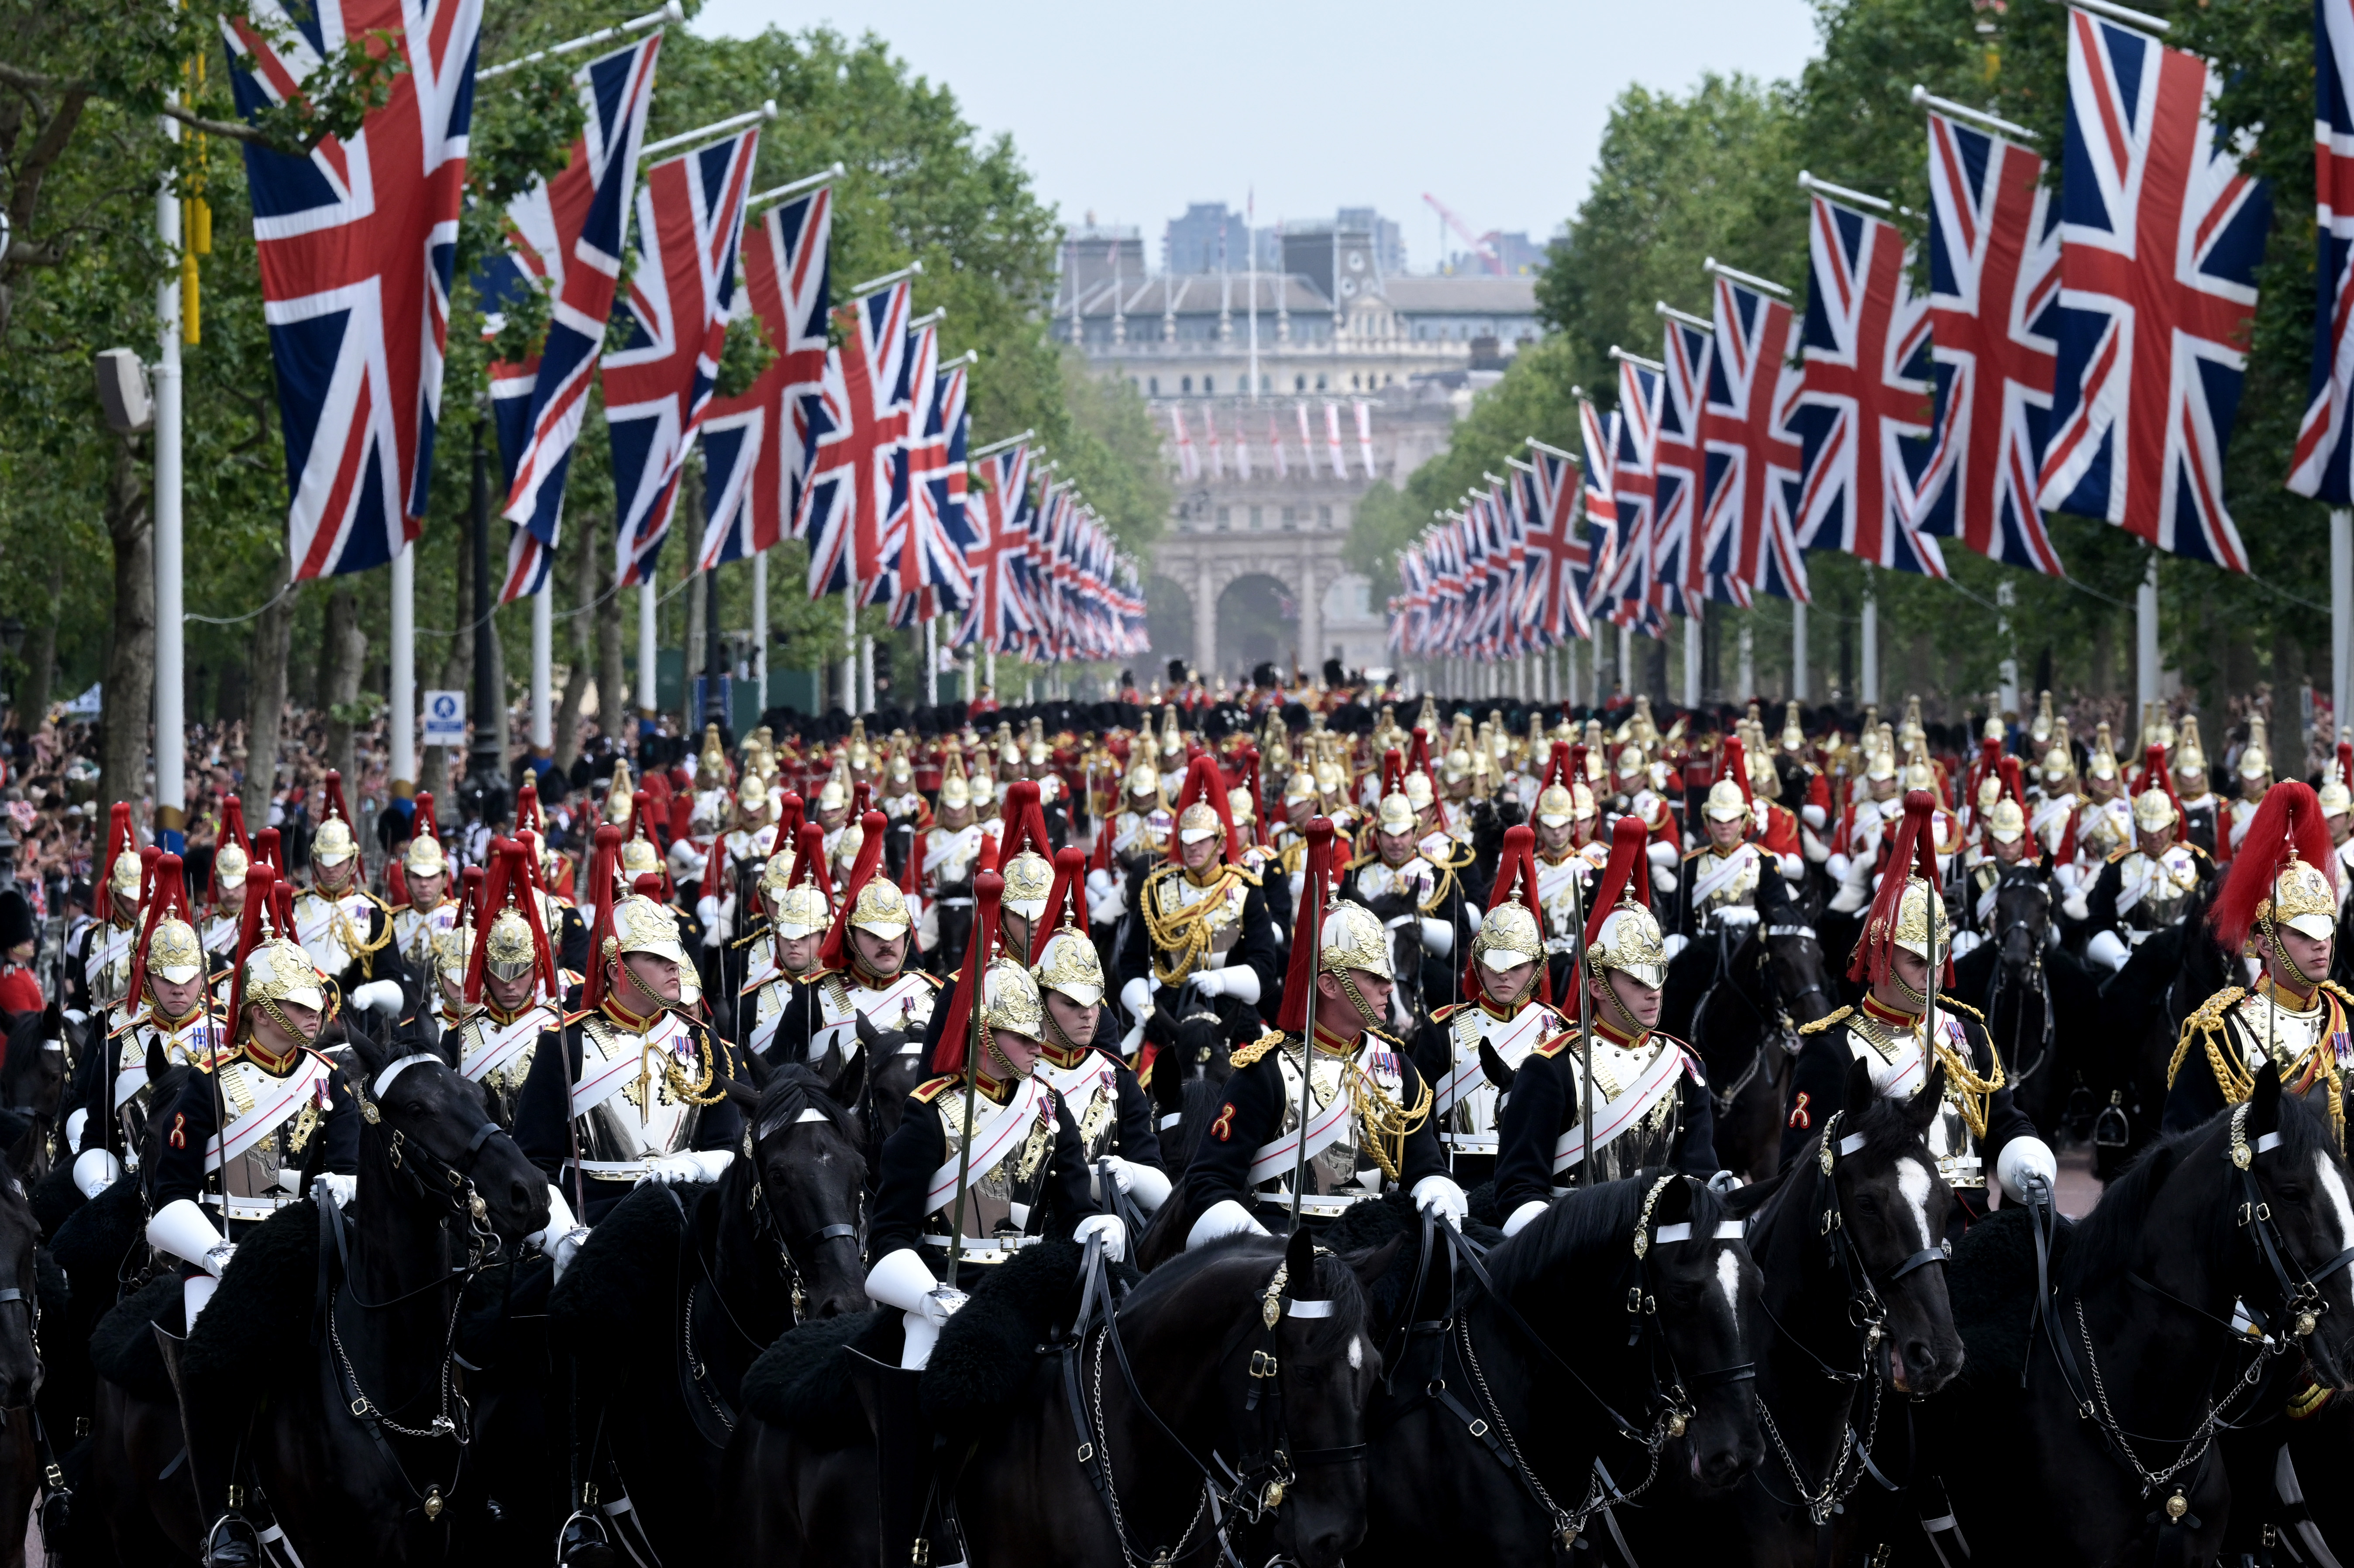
(1991, 1283)
(619, 1289)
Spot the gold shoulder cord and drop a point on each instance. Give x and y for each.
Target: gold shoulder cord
(1971, 1095)
(364, 951)
(1387, 1124)
(1181, 934)
(2207, 1023)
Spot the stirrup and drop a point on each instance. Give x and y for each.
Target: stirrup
(582, 1544)
(232, 1544)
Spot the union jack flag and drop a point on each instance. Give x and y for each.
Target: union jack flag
(1749, 531)
(1637, 425)
(658, 378)
(1864, 402)
(1556, 599)
(1994, 291)
(568, 233)
(756, 444)
(858, 469)
(925, 543)
(1679, 465)
(997, 616)
(1598, 445)
(356, 244)
(2159, 236)
(2323, 464)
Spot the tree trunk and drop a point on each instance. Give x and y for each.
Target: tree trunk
(41, 664)
(273, 636)
(129, 692)
(613, 705)
(576, 682)
(502, 712)
(345, 651)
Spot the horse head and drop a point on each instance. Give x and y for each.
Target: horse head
(33, 1074)
(807, 1187)
(426, 1141)
(1192, 1056)
(20, 1241)
(1706, 1289)
(2022, 920)
(1798, 980)
(1891, 1209)
(887, 1066)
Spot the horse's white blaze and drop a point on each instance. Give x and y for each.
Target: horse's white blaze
(2334, 1185)
(1728, 1279)
(1356, 1353)
(1912, 1180)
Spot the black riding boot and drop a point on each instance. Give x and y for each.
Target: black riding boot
(213, 1430)
(903, 1452)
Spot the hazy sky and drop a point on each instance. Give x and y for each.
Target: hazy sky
(1132, 110)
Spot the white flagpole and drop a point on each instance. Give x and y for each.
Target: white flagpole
(401, 723)
(646, 605)
(1871, 681)
(672, 11)
(1799, 649)
(2341, 615)
(850, 652)
(2146, 634)
(932, 662)
(543, 639)
(167, 702)
(760, 625)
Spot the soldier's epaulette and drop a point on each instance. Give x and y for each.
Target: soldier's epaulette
(1819, 1024)
(1251, 1053)
(753, 934)
(1441, 1014)
(2117, 854)
(819, 973)
(1964, 1007)
(927, 977)
(1249, 877)
(1692, 855)
(2194, 849)
(1557, 1045)
(2210, 1016)
(926, 1093)
(565, 1020)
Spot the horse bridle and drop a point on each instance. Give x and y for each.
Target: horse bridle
(1866, 1311)
(2015, 876)
(765, 1223)
(428, 1176)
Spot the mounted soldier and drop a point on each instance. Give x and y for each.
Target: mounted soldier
(1650, 1098)
(1368, 1110)
(2254, 772)
(985, 1160)
(2148, 887)
(1143, 825)
(2003, 841)
(513, 995)
(732, 864)
(1571, 855)
(346, 929)
(631, 1088)
(251, 1126)
(232, 858)
(1731, 881)
(865, 971)
(1395, 880)
(100, 960)
(2201, 807)
(952, 855)
(1509, 1014)
(1890, 1031)
(434, 906)
(800, 909)
(1118, 1134)
(1201, 921)
(2280, 906)
(169, 1025)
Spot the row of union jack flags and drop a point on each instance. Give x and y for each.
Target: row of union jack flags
(859, 450)
(2078, 353)
(1189, 458)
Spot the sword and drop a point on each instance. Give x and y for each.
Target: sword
(1307, 1040)
(1585, 1027)
(985, 897)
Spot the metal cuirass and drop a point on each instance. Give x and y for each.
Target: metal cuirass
(108, 963)
(1090, 1092)
(1899, 1068)
(1651, 1139)
(1000, 1198)
(646, 1117)
(1723, 881)
(1468, 1104)
(2287, 1038)
(2154, 891)
(268, 1122)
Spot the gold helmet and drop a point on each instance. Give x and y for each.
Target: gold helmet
(1172, 740)
(619, 799)
(2104, 765)
(2255, 761)
(424, 857)
(2004, 820)
(1882, 754)
(1329, 778)
(230, 864)
(752, 797)
(881, 908)
(955, 793)
(454, 950)
(279, 970)
(510, 951)
(2189, 756)
(638, 858)
(860, 756)
(777, 872)
(2060, 759)
(902, 773)
(174, 953)
(1418, 793)
(1396, 814)
(124, 880)
(1009, 1000)
(2336, 798)
(1555, 806)
(1913, 915)
(1029, 878)
(1199, 821)
(2154, 809)
(834, 795)
(2302, 900)
(1993, 729)
(1630, 941)
(2039, 731)
(1353, 938)
(1239, 806)
(1726, 803)
(1067, 963)
(333, 844)
(1919, 774)
(1300, 786)
(1143, 780)
(1509, 936)
(711, 768)
(643, 925)
(1765, 779)
(799, 912)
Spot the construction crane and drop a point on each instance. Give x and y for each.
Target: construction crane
(1478, 244)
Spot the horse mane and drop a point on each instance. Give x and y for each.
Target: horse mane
(1588, 1221)
(1335, 1282)
(792, 1089)
(2105, 1243)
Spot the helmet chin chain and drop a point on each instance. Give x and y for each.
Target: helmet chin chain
(1367, 1016)
(2280, 950)
(1634, 1026)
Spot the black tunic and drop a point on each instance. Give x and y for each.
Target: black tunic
(194, 1116)
(1545, 1102)
(1250, 1115)
(920, 1146)
(543, 1115)
(1255, 946)
(1136, 1127)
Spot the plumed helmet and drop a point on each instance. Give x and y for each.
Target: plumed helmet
(1726, 803)
(1418, 793)
(2154, 809)
(955, 793)
(2005, 822)
(1239, 805)
(1396, 814)
(752, 796)
(800, 911)
(643, 925)
(1143, 778)
(2189, 756)
(279, 970)
(777, 872)
(510, 951)
(124, 877)
(2303, 901)
(1009, 1000)
(1913, 915)
(1508, 937)
(833, 797)
(174, 951)
(2255, 761)
(1300, 786)
(2103, 764)
(1029, 878)
(1196, 823)
(230, 862)
(454, 950)
(1353, 938)
(1631, 941)
(1069, 964)
(711, 767)
(881, 909)
(620, 798)
(639, 858)
(1555, 806)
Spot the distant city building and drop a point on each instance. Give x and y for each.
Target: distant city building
(1517, 254)
(1331, 322)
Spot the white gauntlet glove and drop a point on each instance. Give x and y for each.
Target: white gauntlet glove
(340, 1188)
(1439, 1197)
(1223, 1218)
(1437, 938)
(94, 1170)
(1144, 1183)
(379, 997)
(1109, 1227)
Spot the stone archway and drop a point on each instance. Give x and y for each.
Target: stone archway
(1259, 622)
(1168, 616)
(1206, 563)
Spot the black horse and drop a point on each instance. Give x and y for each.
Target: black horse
(20, 1350)
(1853, 1322)
(1523, 1405)
(442, 1193)
(876, 1082)
(2143, 1005)
(2041, 1005)
(1192, 1057)
(1740, 996)
(678, 1290)
(2103, 1419)
(1248, 1353)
